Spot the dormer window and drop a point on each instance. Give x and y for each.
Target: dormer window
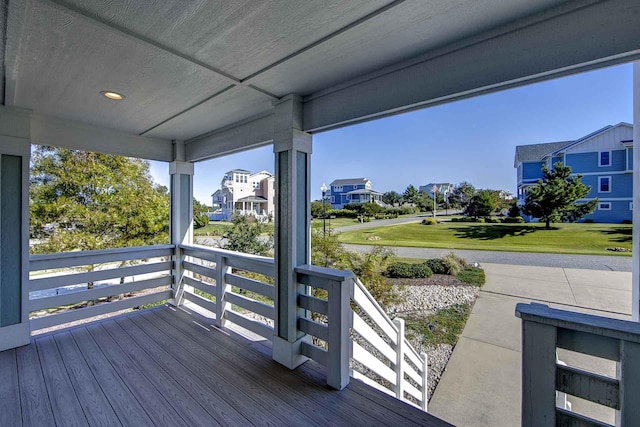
(605, 158)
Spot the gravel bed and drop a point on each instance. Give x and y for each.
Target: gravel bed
(426, 296)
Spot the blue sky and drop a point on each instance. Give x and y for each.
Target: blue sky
(471, 140)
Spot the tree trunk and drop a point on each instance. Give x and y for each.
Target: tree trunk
(548, 224)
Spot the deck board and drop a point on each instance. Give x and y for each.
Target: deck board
(36, 409)
(171, 367)
(269, 409)
(121, 399)
(92, 399)
(310, 393)
(155, 404)
(9, 389)
(64, 402)
(201, 403)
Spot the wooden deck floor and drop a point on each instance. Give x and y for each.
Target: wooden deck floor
(166, 367)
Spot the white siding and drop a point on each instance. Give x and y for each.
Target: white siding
(606, 141)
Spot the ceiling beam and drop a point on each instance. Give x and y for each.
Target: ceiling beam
(576, 37)
(245, 135)
(46, 130)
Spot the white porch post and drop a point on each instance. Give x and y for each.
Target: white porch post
(15, 152)
(181, 228)
(635, 291)
(292, 149)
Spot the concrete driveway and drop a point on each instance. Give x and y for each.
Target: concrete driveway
(481, 385)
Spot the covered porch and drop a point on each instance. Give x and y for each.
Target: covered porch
(203, 80)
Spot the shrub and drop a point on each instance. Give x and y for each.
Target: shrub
(343, 213)
(513, 220)
(454, 263)
(472, 275)
(479, 220)
(514, 210)
(491, 220)
(437, 265)
(429, 221)
(626, 221)
(464, 219)
(405, 270)
(589, 221)
(200, 220)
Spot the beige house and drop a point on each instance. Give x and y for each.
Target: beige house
(245, 193)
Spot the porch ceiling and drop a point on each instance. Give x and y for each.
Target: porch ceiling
(194, 68)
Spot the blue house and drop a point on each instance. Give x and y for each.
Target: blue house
(604, 158)
(354, 190)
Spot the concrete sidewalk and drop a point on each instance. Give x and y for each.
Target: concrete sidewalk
(481, 386)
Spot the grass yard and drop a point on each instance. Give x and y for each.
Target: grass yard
(216, 228)
(591, 239)
(333, 223)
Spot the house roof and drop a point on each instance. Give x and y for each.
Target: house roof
(252, 199)
(349, 181)
(536, 152)
(363, 191)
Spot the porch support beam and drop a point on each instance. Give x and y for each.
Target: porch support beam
(247, 134)
(15, 152)
(292, 149)
(635, 289)
(551, 44)
(46, 130)
(181, 228)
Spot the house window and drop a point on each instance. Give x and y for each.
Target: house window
(605, 158)
(604, 184)
(337, 188)
(604, 206)
(630, 206)
(333, 199)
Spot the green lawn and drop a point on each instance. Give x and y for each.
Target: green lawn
(564, 238)
(334, 222)
(216, 228)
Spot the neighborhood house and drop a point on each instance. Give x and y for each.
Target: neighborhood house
(604, 158)
(355, 190)
(244, 193)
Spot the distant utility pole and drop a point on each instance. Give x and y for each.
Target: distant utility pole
(434, 190)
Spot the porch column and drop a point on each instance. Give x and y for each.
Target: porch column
(635, 287)
(181, 227)
(292, 149)
(15, 152)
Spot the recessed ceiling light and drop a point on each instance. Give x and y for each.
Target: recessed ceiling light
(112, 95)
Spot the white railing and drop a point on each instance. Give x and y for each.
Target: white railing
(216, 280)
(546, 381)
(62, 279)
(354, 336)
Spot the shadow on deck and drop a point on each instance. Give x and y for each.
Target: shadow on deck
(169, 367)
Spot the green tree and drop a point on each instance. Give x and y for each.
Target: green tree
(246, 235)
(86, 201)
(317, 209)
(461, 195)
(555, 197)
(514, 210)
(200, 217)
(482, 204)
(410, 195)
(392, 198)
